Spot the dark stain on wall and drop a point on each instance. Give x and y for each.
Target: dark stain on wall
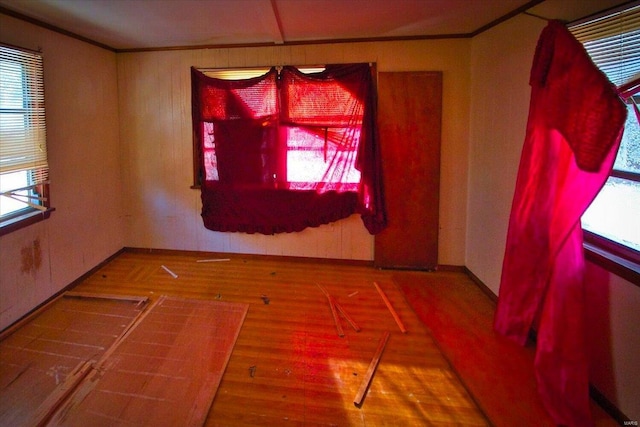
(31, 257)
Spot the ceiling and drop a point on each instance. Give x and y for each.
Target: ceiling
(123, 25)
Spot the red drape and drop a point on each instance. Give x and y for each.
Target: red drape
(287, 150)
(574, 129)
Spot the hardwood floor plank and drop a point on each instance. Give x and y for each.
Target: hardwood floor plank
(37, 357)
(165, 371)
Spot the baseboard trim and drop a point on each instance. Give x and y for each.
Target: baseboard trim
(608, 407)
(451, 268)
(484, 288)
(288, 258)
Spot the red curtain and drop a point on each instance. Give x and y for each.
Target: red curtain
(573, 133)
(288, 150)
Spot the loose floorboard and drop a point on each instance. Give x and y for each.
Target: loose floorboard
(40, 355)
(164, 372)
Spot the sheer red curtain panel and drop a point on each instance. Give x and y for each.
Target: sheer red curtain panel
(286, 150)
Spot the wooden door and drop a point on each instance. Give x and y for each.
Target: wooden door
(409, 120)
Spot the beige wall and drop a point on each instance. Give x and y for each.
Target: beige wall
(501, 59)
(500, 62)
(161, 211)
(82, 137)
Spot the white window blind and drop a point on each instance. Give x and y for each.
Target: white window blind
(22, 114)
(613, 42)
(612, 39)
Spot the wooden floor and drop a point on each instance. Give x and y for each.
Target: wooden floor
(290, 367)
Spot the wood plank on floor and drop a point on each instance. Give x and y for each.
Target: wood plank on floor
(37, 357)
(164, 372)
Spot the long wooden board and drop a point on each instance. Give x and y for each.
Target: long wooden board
(166, 371)
(38, 358)
(368, 377)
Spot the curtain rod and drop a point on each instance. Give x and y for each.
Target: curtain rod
(536, 16)
(266, 67)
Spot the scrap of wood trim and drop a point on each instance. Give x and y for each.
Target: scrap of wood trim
(324, 291)
(174, 275)
(213, 260)
(391, 309)
(352, 322)
(334, 313)
(335, 305)
(133, 298)
(370, 371)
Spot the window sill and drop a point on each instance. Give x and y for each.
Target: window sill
(24, 220)
(618, 265)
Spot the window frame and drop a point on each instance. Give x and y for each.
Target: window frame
(233, 73)
(614, 257)
(29, 215)
(250, 116)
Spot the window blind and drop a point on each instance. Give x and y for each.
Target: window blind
(613, 42)
(22, 114)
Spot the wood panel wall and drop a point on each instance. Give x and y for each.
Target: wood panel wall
(161, 211)
(84, 158)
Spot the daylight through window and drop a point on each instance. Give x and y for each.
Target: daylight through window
(613, 42)
(23, 150)
(285, 149)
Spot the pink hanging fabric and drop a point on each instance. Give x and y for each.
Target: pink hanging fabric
(574, 129)
(285, 151)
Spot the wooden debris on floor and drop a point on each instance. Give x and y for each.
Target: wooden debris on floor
(166, 371)
(48, 352)
(366, 382)
(171, 273)
(335, 308)
(391, 309)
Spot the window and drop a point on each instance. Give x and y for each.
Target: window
(23, 150)
(307, 149)
(282, 149)
(613, 219)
